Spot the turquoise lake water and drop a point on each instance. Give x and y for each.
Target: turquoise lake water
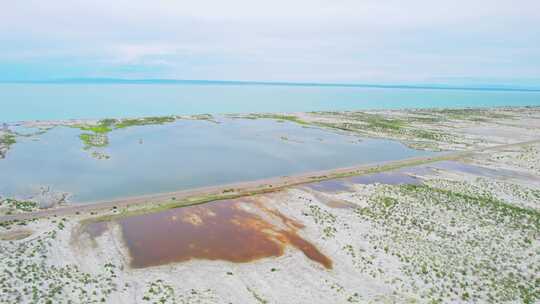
(181, 155)
(72, 101)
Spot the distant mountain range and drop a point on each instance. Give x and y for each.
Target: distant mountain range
(496, 87)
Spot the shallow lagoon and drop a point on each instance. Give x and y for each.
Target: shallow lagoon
(181, 155)
(398, 177)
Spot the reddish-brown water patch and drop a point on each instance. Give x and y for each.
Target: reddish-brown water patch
(332, 185)
(339, 204)
(388, 178)
(292, 224)
(95, 229)
(215, 231)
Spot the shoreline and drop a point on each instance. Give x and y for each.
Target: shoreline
(215, 82)
(48, 123)
(158, 201)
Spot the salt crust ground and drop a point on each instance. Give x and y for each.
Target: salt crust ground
(458, 238)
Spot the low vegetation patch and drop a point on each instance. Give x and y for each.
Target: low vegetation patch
(11, 206)
(36, 279)
(94, 140)
(278, 117)
(457, 246)
(125, 123)
(99, 138)
(159, 291)
(8, 139)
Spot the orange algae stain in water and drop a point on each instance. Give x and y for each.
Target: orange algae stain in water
(215, 231)
(308, 249)
(287, 221)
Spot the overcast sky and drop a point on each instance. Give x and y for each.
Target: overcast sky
(393, 41)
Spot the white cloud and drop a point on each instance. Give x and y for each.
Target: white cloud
(342, 40)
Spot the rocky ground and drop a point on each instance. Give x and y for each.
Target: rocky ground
(459, 234)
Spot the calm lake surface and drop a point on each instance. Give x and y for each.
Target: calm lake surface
(181, 155)
(20, 102)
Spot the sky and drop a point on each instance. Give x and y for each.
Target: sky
(354, 41)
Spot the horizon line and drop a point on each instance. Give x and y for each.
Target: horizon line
(426, 86)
